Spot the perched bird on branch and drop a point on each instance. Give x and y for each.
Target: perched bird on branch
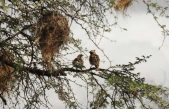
(78, 62)
(94, 59)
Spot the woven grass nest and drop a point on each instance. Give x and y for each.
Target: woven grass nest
(52, 32)
(122, 5)
(6, 77)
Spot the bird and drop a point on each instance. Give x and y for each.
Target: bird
(94, 59)
(78, 62)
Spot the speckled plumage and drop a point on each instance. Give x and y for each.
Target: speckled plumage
(94, 59)
(78, 62)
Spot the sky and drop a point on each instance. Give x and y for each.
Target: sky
(143, 37)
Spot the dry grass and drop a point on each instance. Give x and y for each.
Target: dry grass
(52, 32)
(122, 5)
(6, 77)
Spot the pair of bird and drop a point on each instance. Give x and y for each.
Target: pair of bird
(93, 59)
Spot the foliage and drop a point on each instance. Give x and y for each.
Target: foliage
(117, 86)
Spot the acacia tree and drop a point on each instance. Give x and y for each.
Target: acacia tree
(34, 45)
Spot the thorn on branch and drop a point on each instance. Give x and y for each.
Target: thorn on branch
(3, 99)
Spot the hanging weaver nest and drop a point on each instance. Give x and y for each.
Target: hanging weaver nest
(52, 32)
(122, 5)
(6, 77)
